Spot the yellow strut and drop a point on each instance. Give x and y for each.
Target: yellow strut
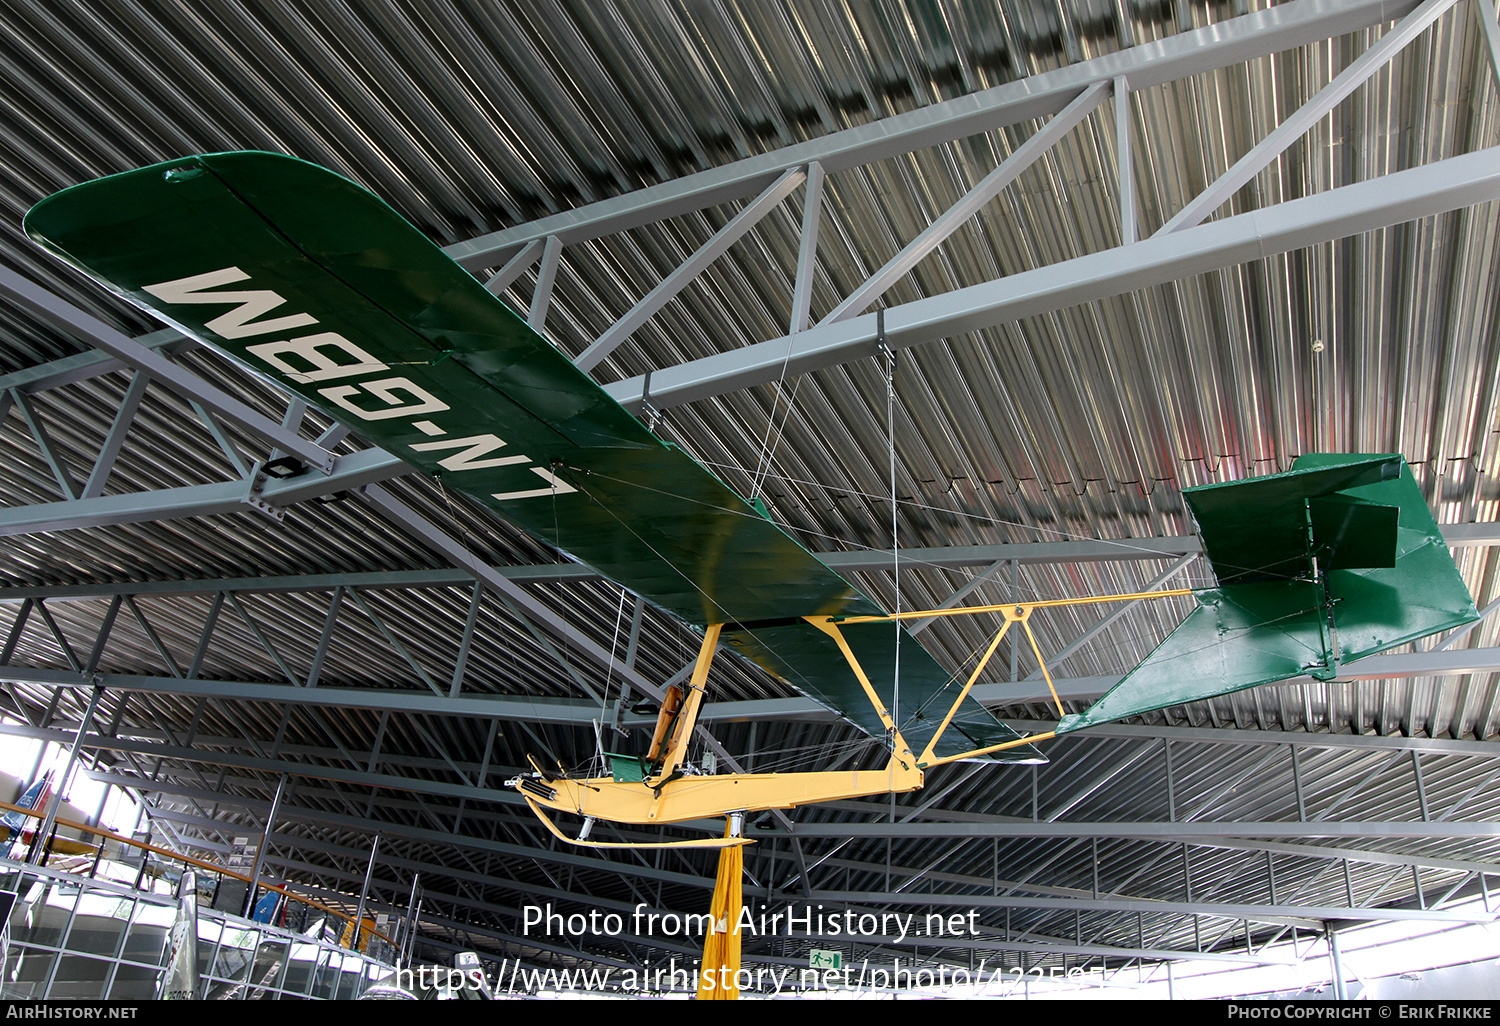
(682, 731)
(704, 842)
(1014, 612)
(670, 797)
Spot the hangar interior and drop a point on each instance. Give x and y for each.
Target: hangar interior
(965, 292)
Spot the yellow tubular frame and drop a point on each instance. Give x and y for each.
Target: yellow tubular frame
(1015, 612)
(670, 798)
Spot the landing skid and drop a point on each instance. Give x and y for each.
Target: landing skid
(704, 842)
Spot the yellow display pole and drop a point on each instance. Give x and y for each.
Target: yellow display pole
(721, 948)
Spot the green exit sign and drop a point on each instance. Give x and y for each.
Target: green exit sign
(825, 959)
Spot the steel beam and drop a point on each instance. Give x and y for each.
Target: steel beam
(305, 771)
(985, 942)
(439, 838)
(1309, 914)
(43, 439)
(1484, 10)
(807, 250)
(83, 366)
(1376, 667)
(1125, 160)
(915, 627)
(559, 711)
(1288, 849)
(372, 580)
(516, 266)
(973, 201)
(1347, 855)
(1149, 831)
(1177, 56)
(581, 713)
(1402, 196)
(706, 254)
(954, 557)
(1234, 736)
(348, 472)
(76, 324)
(1091, 550)
(113, 442)
(1303, 119)
(541, 296)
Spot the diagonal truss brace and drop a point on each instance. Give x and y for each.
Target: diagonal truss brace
(971, 203)
(706, 254)
(1436, 188)
(1268, 149)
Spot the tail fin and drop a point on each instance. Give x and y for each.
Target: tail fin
(1334, 560)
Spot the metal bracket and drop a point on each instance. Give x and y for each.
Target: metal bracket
(649, 414)
(253, 494)
(284, 467)
(882, 345)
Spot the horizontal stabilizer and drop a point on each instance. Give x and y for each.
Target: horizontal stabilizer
(1236, 638)
(1335, 560)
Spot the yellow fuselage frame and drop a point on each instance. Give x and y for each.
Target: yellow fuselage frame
(672, 797)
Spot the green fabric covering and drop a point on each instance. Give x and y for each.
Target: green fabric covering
(1384, 577)
(641, 512)
(378, 328)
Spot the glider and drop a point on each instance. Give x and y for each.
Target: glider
(319, 286)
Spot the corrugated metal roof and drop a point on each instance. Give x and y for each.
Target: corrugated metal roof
(1084, 422)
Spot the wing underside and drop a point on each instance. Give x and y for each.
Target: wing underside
(317, 284)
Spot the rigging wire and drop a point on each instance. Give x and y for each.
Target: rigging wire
(1125, 544)
(784, 758)
(858, 546)
(890, 429)
(1122, 544)
(767, 445)
(614, 642)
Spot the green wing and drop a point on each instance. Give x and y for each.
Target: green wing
(317, 284)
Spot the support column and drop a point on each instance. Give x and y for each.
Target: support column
(1335, 957)
(38, 851)
(260, 851)
(409, 944)
(364, 889)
